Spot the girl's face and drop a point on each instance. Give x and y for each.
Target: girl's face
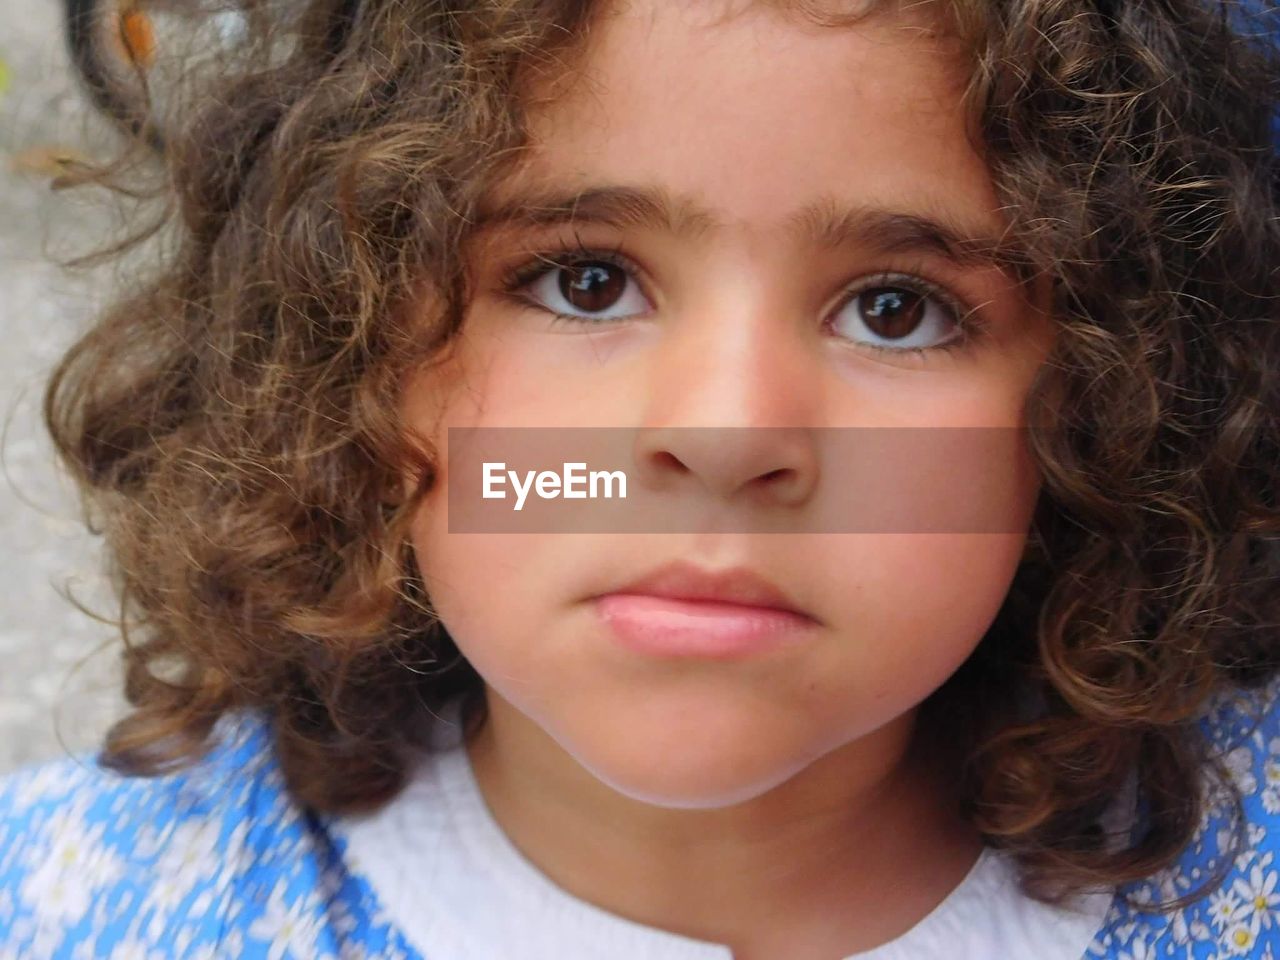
(740, 313)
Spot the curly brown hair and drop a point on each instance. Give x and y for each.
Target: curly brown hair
(231, 421)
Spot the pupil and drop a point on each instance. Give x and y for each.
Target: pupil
(891, 311)
(592, 286)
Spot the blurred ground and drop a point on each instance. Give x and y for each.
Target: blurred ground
(52, 683)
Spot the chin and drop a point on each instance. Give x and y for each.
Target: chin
(703, 759)
(690, 789)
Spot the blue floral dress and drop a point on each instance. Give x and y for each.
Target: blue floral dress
(217, 861)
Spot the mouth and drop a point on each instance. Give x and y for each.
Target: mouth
(680, 610)
(736, 586)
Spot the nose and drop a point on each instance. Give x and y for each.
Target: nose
(735, 406)
(773, 463)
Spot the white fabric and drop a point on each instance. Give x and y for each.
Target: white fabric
(460, 890)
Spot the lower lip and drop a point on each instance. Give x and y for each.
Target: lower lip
(662, 626)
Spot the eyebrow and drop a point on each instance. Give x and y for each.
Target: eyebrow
(824, 223)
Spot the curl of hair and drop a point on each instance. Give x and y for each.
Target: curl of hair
(232, 422)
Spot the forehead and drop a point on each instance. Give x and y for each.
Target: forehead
(760, 113)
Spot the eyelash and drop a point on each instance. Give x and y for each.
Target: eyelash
(559, 259)
(968, 321)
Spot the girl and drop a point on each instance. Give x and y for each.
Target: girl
(744, 232)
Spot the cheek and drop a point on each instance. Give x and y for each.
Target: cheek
(909, 608)
(503, 597)
(484, 587)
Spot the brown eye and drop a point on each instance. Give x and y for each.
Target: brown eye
(589, 289)
(592, 285)
(908, 315)
(891, 312)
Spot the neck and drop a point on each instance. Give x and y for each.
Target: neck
(807, 863)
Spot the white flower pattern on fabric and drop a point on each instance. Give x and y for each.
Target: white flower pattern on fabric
(218, 862)
(1258, 893)
(1239, 917)
(212, 863)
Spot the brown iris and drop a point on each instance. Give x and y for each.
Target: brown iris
(891, 312)
(592, 285)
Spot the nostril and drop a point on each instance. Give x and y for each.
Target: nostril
(667, 459)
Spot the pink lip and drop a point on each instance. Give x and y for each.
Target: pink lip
(664, 626)
(681, 610)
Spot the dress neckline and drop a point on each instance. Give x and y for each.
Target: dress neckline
(440, 821)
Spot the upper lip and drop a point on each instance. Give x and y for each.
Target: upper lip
(684, 581)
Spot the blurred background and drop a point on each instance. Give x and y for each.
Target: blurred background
(58, 668)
